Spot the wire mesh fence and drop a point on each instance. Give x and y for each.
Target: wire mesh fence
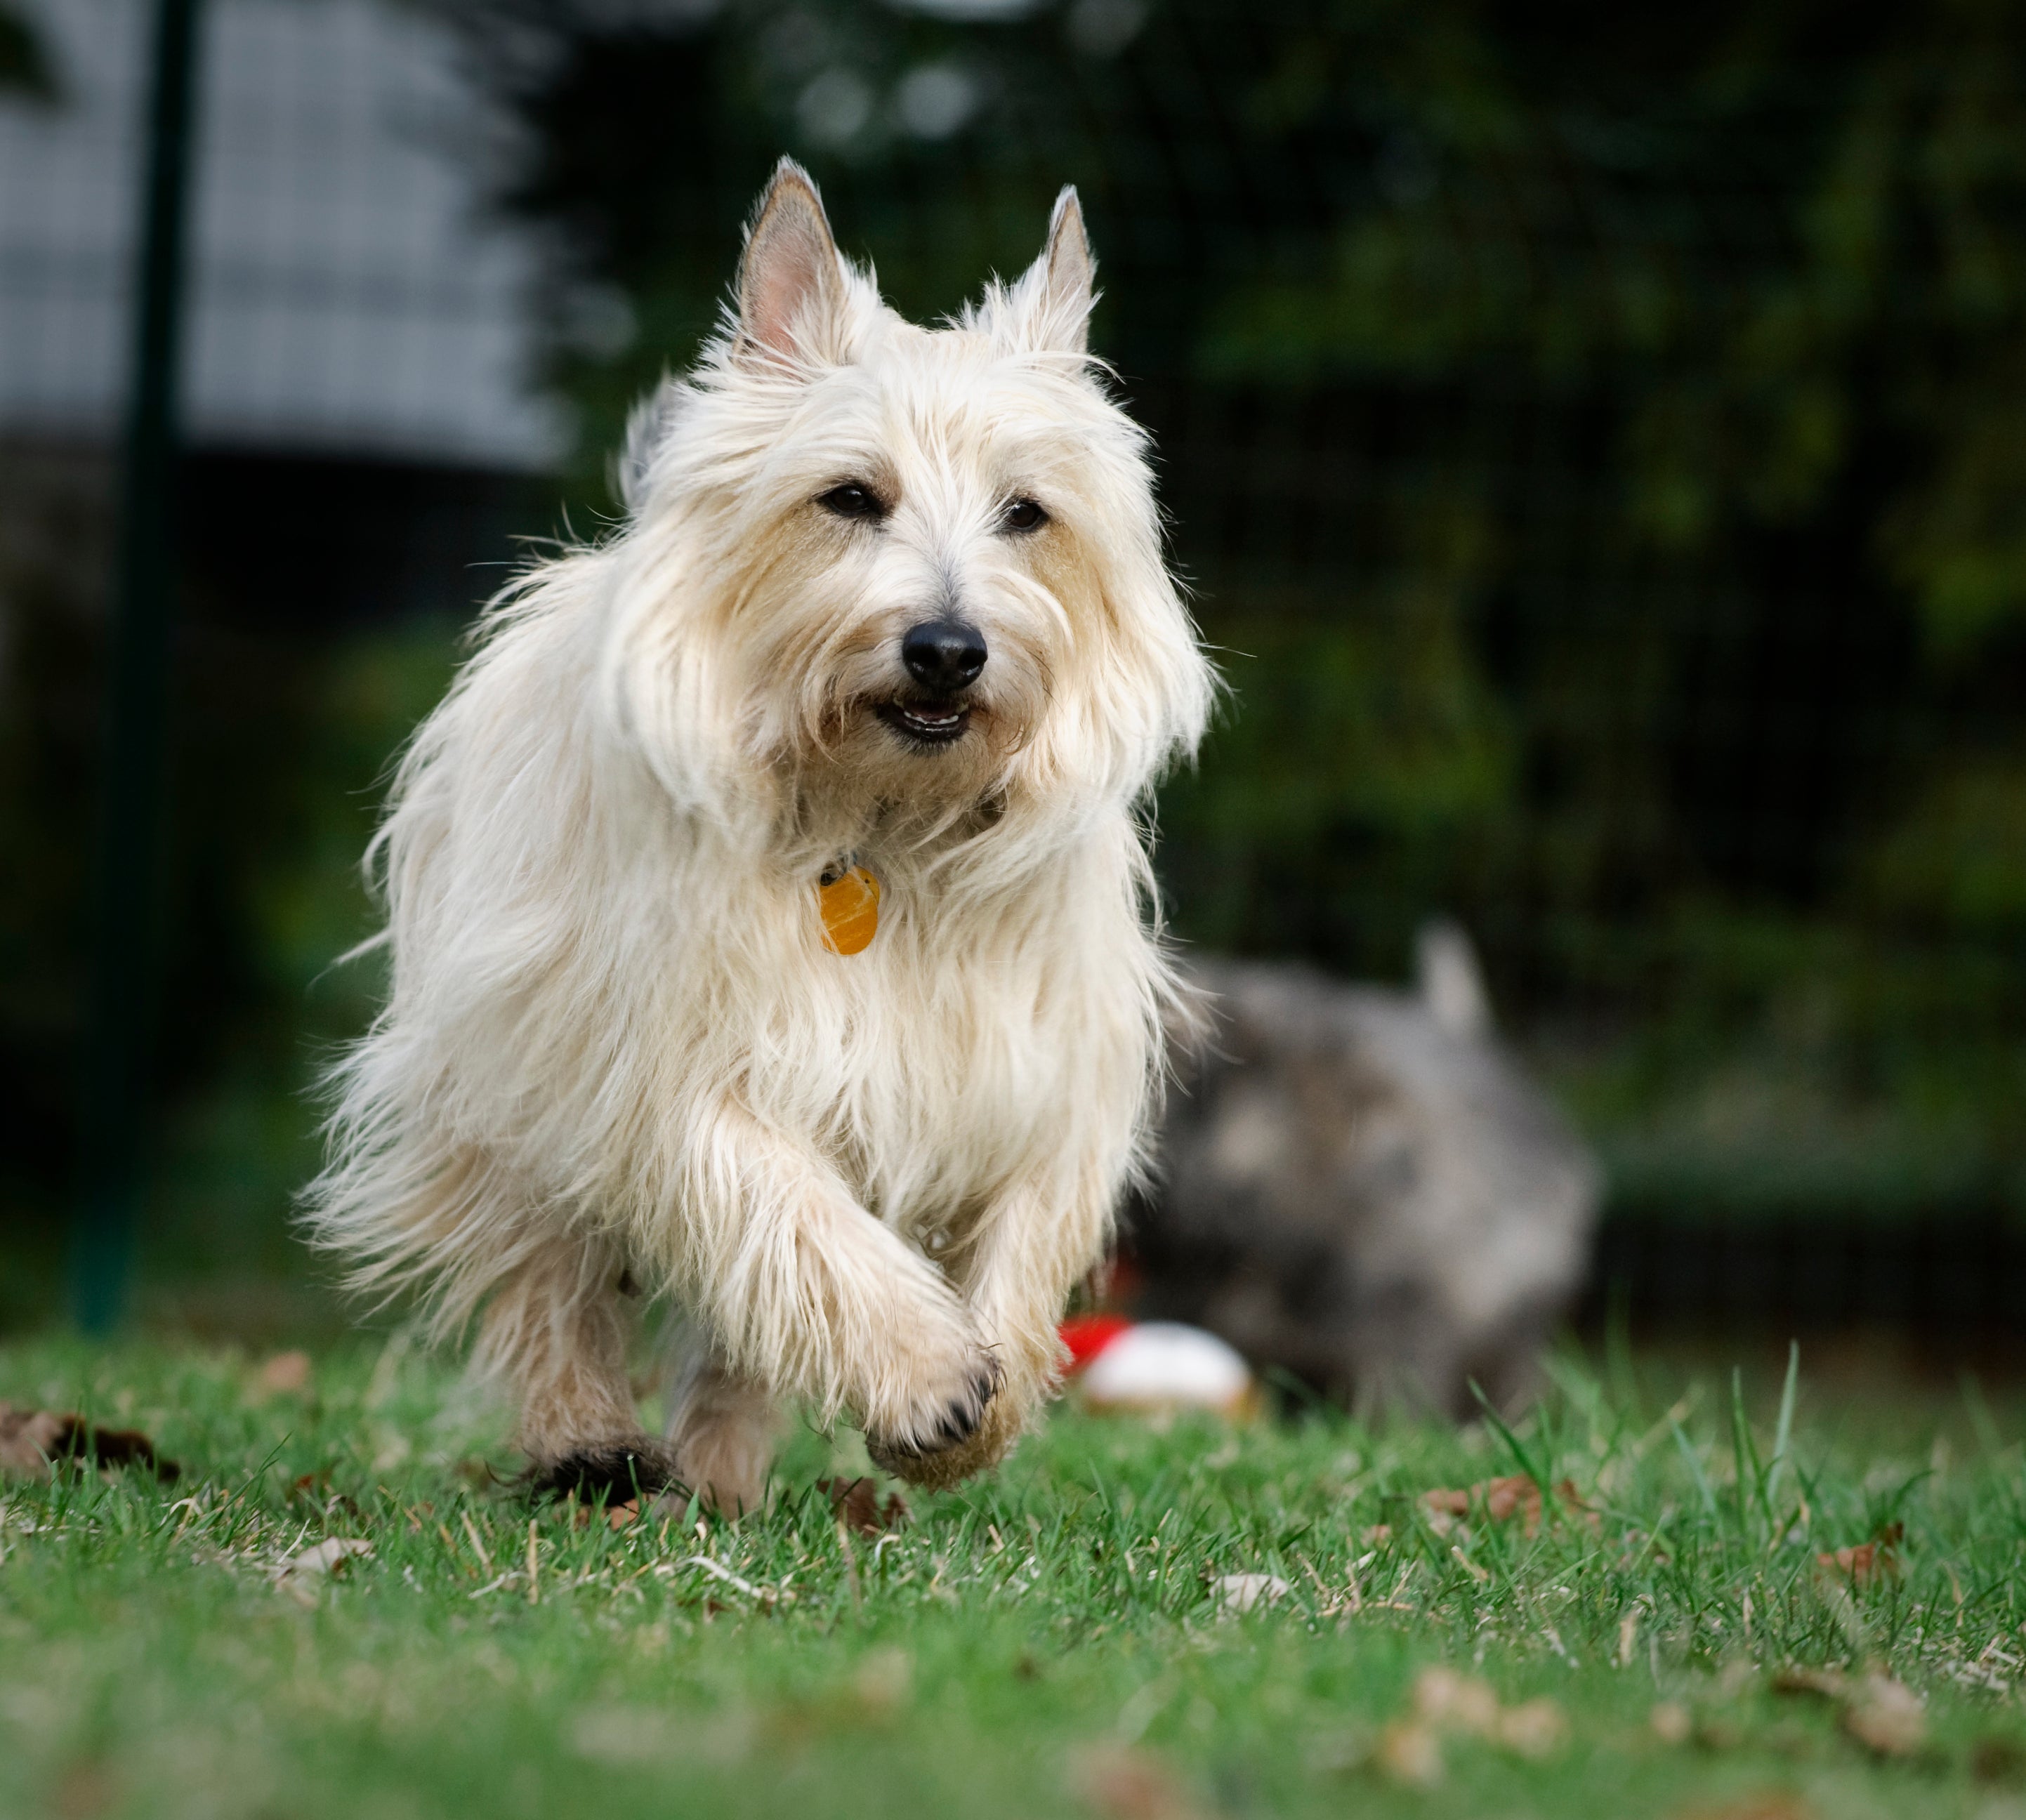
(1589, 440)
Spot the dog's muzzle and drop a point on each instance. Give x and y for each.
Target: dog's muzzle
(944, 657)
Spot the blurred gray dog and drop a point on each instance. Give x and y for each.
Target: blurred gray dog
(1360, 1187)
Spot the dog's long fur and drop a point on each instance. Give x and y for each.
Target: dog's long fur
(616, 1042)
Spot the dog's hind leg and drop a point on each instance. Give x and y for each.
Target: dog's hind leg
(722, 1426)
(554, 1330)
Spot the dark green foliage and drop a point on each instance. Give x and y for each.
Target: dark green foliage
(284, 724)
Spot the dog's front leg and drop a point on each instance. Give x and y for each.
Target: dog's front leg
(809, 1294)
(1015, 1269)
(554, 1330)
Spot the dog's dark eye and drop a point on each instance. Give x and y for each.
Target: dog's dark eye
(1024, 515)
(851, 501)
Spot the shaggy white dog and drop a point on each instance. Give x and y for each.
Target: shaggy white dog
(890, 603)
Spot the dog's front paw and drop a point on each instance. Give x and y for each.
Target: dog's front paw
(943, 1422)
(618, 1471)
(1004, 1420)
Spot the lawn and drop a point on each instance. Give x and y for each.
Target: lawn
(1129, 1621)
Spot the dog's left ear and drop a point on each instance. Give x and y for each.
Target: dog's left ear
(1055, 292)
(790, 280)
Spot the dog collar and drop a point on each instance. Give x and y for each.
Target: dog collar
(849, 897)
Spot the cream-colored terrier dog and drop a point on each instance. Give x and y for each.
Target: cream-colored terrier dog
(886, 648)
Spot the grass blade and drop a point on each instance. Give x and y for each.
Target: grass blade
(1539, 1475)
(1751, 1474)
(1783, 1434)
(1695, 1469)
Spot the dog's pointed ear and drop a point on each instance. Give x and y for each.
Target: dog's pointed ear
(1057, 288)
(790, 279)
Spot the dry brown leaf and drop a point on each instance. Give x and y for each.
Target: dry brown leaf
(1883, 1715)
(1886, 1716)
(1671, 1721)
(325, 1557)
(1446, 1700)
(624, 1515)
(1451, 1701)
(1499, 1500)
(1572, 1501)
(1868, 1562)
(1535, 1728)
(1120, 1783)
(1410, 1752)
(301, 1574)
(884, 1681)
(1830, 1683)
(31, 1441)
(1237, 1592)
(856, 1503)
(1514, 1494)
(283, 1374)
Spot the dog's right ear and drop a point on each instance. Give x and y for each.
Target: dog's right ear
(791, 290)
(1052, 301)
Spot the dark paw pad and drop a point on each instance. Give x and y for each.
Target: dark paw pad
(616, 1473)
(957, 1424)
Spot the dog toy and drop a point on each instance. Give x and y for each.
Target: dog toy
(1154, 1366)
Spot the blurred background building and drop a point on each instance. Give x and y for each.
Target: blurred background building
(1593, 437)
(350, 296)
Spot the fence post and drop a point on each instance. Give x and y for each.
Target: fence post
(111, 1126)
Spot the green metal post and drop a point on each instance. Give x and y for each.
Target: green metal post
(113, 1120)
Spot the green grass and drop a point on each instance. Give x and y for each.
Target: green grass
(1049, 1642)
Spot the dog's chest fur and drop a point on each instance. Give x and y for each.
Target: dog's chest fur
(961, 1049)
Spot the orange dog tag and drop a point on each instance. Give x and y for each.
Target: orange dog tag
(850, 911)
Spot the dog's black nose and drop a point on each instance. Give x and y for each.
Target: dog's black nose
(945, 654)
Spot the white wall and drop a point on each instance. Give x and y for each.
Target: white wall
(346, 294)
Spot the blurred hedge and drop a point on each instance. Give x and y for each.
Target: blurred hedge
(290, 700)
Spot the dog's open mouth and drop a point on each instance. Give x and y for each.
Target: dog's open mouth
(927, 723)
